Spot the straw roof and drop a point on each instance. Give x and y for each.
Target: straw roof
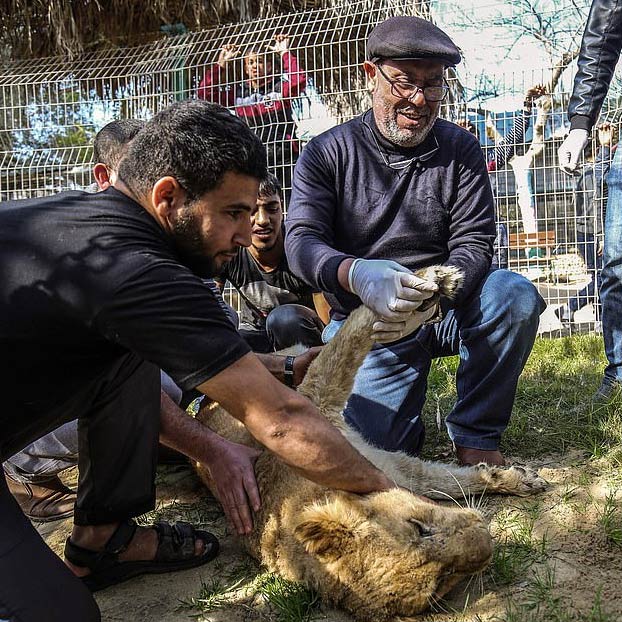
(35, 28)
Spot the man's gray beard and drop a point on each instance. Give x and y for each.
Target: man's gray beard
(401, 137)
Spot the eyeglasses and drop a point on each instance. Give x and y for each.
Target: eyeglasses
(405, 90)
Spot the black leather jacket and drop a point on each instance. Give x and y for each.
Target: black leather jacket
(600, 50)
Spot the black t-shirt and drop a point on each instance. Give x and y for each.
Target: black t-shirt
(262, 291)
(89, 277)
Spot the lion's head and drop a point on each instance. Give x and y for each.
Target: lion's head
(390, 554)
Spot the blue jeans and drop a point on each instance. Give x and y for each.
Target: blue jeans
(493, 332)
(611, 276)
(500, 247)
(588, 247)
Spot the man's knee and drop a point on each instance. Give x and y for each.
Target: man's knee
(287, 325)
(385, 428)
(132, 385)
(516, 295)
(287, 317)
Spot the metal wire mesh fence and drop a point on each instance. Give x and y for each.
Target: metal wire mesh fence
(295, 75)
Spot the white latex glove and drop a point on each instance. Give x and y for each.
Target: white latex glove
(388, 289)
(386, 332)
(570, 151)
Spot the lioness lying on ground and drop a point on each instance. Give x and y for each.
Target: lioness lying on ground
(381, 556)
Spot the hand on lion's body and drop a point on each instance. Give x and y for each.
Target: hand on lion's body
(380, 556)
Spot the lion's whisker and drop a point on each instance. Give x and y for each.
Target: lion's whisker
(444, 494)
(461, 488)
(481, 501)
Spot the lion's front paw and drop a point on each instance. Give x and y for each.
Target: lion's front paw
(515, 480)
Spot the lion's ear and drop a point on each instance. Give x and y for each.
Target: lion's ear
(324, 539)
(327, 531)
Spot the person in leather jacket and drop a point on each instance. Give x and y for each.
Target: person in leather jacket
(600, 50)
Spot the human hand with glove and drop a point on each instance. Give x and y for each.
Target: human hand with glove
(394, 293)
(571, 149)
(385, 331)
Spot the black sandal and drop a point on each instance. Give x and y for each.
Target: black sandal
(175, 552)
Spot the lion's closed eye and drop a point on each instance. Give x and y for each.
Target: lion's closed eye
(423, 530)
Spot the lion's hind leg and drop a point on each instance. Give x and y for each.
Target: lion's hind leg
(330, 378)
(517, 480)
(442, 481)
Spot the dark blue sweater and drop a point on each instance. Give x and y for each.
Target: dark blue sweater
(347, 202)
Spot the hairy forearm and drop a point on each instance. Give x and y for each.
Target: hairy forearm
(274, 363)
(308, 442)
(183, 433)
(290, 426)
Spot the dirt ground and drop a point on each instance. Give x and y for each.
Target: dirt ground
(559, 557)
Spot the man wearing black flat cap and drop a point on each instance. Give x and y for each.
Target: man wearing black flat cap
(394, 190)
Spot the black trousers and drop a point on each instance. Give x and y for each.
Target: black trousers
(286, 326)
(35, 585)
(118, 416)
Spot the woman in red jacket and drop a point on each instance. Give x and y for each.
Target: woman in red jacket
(263, 98)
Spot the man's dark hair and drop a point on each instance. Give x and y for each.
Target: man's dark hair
(270, 185)
(112, 140)
(195, 142)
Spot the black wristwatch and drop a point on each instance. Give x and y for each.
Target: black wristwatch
(288, 372)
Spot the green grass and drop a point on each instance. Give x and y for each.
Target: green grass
(542, 604)
(220, 592)
(288, 601)
(293, 602)
(552, 414)
(213, 595)
(610, 520)
(552, 411)
(518, 549)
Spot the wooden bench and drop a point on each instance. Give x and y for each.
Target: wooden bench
(540, 239)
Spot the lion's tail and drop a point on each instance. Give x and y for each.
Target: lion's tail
(330, 378)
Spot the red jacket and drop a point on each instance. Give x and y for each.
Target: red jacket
(252, 103)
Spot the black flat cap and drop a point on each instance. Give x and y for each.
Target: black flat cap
(411, 38)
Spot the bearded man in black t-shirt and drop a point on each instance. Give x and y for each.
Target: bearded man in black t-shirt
(276, 307)
(98, 293)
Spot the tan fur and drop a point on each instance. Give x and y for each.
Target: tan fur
(382, 556)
